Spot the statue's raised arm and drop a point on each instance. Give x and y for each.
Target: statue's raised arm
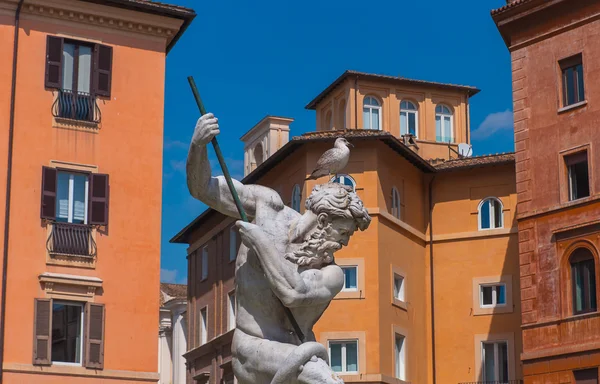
(213, 191)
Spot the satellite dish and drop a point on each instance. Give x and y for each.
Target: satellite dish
(465, 150)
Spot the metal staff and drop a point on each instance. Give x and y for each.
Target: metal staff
(236, 198)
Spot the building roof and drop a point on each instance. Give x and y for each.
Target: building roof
(385, 78)
(476, 161)
(157, 8)
(170, 292)
(510, 4)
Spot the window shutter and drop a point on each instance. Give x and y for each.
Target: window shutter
(102, 70)
(54, 54)
(98, 209)
(94, 335)
(48, 204)
(42, 330)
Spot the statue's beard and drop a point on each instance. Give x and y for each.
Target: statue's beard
(316, 251)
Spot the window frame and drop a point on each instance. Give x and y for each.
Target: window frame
(371, 108)
(81, 333)
(296, 198)
(203, 316)
(570, 161)
(75, 74)
(572, 63)
(344, 361)
(347, 267)
(495, 303)
(71, 186)
(492, 214)
(407, 111)
(342, 177)
(496, 357)
(587, 290)
(399, 294)
(400, 357)
(443, 127)
(231, 311)
(396, 204)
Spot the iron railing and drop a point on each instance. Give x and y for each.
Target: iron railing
(495, 382)
(71, 239)
(76, 106)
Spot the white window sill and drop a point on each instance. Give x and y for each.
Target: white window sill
(350, 290)
(572, 106)
(67, 364)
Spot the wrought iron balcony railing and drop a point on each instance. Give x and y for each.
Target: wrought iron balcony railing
(76, 106)
(71, 239)
(495, 382)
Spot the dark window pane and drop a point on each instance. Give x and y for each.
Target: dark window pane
(503, 362)
(335, 351)
(412, 124)
(351, 357)
(66, 333)
(500, 294)
(485, 214)
(580, 86)
(497, 214)
(487, 295)
(579, 183)
(583, 281)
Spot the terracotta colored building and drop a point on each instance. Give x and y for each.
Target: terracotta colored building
(430, 287)
(82, 94)
(555, 53)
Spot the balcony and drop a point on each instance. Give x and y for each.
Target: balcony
(71, 239)
(76, 106)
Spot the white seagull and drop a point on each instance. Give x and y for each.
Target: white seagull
(333, 160)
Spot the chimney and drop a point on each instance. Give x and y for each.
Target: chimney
(264, 139)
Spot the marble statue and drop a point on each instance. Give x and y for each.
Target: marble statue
(285, 267)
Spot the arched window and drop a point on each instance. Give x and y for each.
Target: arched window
(583, 281)
(258, 154)
(341, 120)
(443, 124)
(408, 118)
(490, 214)
(395, 203)
(296, 197)
(345, 180)
(328, 120)
(371, 113)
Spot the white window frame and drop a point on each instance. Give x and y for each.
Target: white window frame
(407, 111)
(344, 356)
(204, 265)
(494, 295)
(370, 108)
(496, 360)
(399, 294)
(71, 193)
(81, 344)
(400, 356)
(342, 178)
(296, 198)
(355, 267)
(203, 325)
(396, 204)
(495, 200)
(231, 311)
(443, 123)
(232, 244)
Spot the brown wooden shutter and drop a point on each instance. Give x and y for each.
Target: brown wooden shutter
(49, 185)
(94, 335)
(102, 70)
(54, 54)
(42, 331)
(98, 209)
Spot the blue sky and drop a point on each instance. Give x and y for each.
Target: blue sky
(251, 59)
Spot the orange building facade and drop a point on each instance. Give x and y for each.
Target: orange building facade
(81, 94)
(554, 50)
(431, 291)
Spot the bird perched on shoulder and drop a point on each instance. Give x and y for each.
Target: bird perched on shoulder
(333, 160)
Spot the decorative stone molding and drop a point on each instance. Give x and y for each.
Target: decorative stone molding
(69, 287)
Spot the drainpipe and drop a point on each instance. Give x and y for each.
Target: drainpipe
(356, 102)
(11, 129)
(468, 121)
(431, 276)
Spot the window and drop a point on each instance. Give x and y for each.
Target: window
(67, 332)
(578, 177)
(343, 356)
(492, 295)
(63, 330)
(572, 80)
(408, 118)
(345, 180)
(583, 280)
(400, 355)
(296, 198)
(328, 120)
(371, 113)
(204, 271)
(231, 314)
(72, 197)
(490, 213)
(350, 278)
(203, 326)
(495, 361)
(232, 244)
(443, 124)
(396, 203)
(80, 71)
(586, 376)
(399, 287)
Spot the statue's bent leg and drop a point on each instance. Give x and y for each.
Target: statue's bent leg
(257, 360)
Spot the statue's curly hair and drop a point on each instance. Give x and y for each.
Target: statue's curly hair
(338, 200)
